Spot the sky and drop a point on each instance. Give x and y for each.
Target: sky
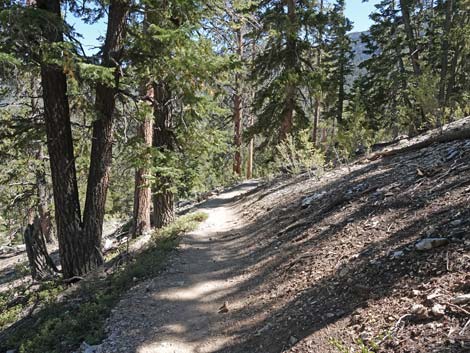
(356, 10)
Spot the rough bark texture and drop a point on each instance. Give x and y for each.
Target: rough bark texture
(42, 266)
(163, 200)
(143, 192)
(62, 160)
(288, 113)
(103, 129)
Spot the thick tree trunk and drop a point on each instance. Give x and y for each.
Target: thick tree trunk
(42, 266)
(143, 192)
(103, 130)
(163, 201)
(237, 111)
(60, 147)
(289, 106)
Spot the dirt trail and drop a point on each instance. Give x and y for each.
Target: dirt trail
(178, 311)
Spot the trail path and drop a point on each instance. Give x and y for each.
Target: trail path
(178, 311)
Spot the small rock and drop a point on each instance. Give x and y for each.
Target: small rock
(430, 243)
(397, 254)
(438, 310)
(461, 299)
(307, 201)
(11, 351)
(20, 248)
(420, 311)
(108, 245)
(293, 340)
(366, 336)
(456, 222)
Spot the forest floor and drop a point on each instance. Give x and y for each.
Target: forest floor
(326, 263)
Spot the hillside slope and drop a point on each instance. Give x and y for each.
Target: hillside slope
(332, 263)
(337, 264)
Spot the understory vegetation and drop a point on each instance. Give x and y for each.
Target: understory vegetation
(58, 318)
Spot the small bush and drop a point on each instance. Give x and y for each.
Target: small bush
(297, 155)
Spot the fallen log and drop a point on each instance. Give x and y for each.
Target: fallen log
(457, 130)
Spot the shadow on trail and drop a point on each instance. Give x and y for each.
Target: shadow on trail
(267, 254)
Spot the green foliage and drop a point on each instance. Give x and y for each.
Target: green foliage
(297, 155)
(62, 324)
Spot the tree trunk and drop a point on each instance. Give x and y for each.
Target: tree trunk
(289, 107)
(237, 111)
(103, 129)
(43, 209)
(143, 192)
(317, 109)
(445, 53)
(42, 266)
(62, 161)
(410, 37)
(163, 201)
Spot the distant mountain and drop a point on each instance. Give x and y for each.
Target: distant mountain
(359, 55)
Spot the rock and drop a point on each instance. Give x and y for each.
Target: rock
(307, 201)
(420, 311)
(293, 340)
(461, 299)
(431, 243)
(6, 249)
(20, 248)
(438, 310)
(108, 245)
(11, 351)
(366, 336)
(397, 254)
(456, 222)
(86, 348)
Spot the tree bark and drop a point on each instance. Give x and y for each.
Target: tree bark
(103, 130)
(237, 110)
(43, 202)
(163, 200)
(143, 192)
(42, 266)
(62, 161)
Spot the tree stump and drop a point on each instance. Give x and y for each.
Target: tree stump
(41, 264)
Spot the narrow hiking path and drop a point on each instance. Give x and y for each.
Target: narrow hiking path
(178, 311)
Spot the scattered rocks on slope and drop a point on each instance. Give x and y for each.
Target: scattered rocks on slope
(431, 243)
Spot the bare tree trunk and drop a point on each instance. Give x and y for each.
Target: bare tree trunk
(445, 52)
(237, 111)
(103, 130)
(42, 266)
(410, 37)
(73, 255)
(143, 192)
(317, 109)
(288, 113)
(163, 200)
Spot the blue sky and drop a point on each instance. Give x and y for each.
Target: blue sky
(356, 10)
